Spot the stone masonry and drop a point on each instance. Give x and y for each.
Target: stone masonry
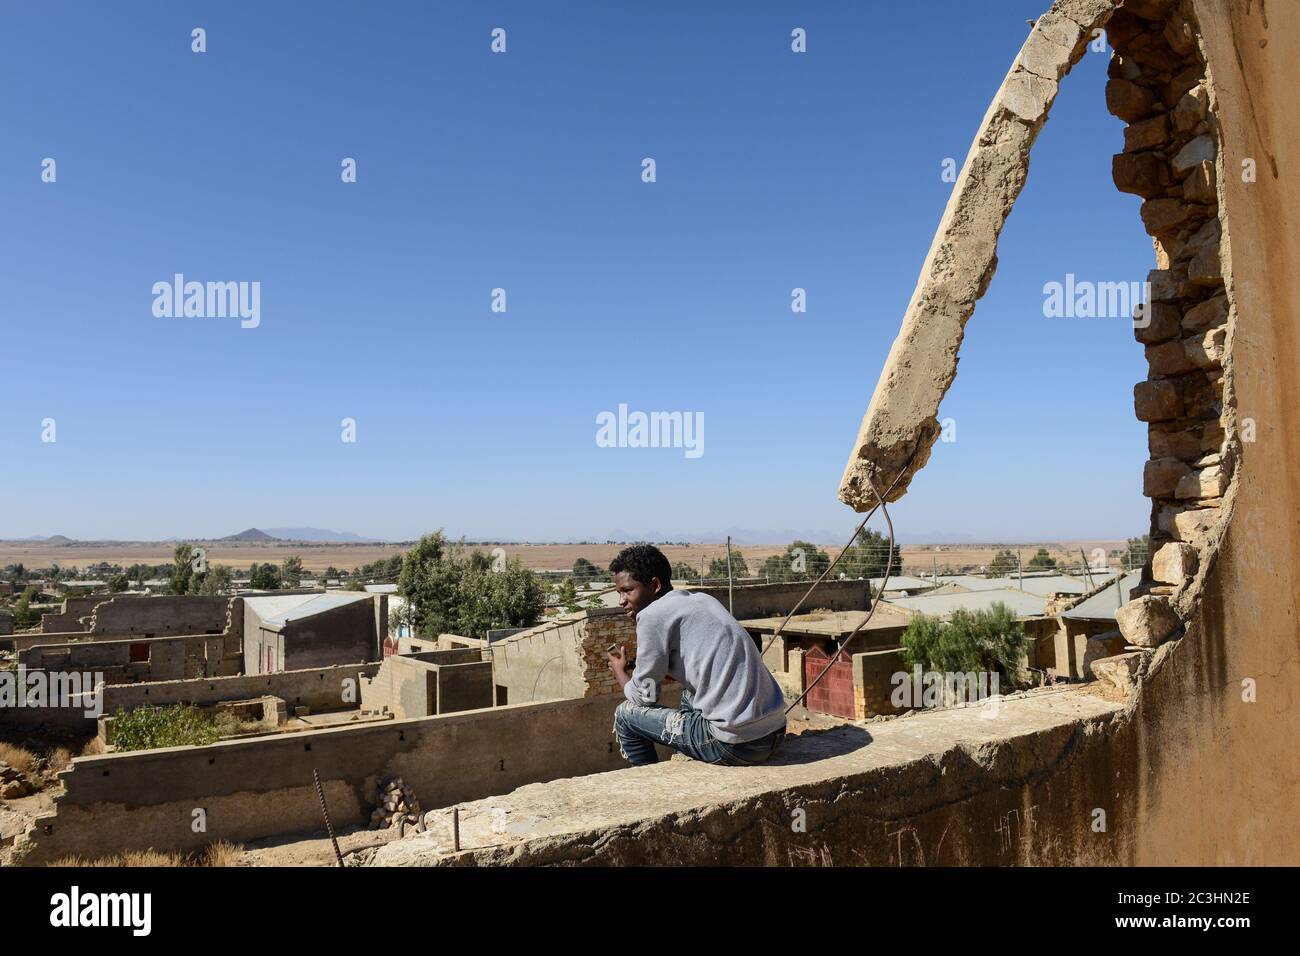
(1158, 85)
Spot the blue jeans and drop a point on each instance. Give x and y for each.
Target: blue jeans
(638, 728)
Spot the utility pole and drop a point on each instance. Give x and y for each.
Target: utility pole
(1020, 571)
(729, 579)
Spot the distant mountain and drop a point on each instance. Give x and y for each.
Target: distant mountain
(317, 534)
(58, 539)
(252, 534)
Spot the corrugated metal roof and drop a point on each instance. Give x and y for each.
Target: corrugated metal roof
(942, 605)
(1102, 605)
(902, 582)
(276, 610)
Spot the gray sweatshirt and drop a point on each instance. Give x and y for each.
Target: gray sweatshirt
(691, 637)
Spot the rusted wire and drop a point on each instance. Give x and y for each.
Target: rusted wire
(889, 567)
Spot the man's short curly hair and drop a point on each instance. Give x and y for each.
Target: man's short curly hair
(643, 562)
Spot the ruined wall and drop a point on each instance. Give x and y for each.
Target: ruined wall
(563, 658)
(160, 616)
(130, 614)
(1204, 772)
(1199, 763)
(319, 689)
(168, 658)
(436, 682)
(263, 787)
(1219, 774)
(771, 600)
(69, 617)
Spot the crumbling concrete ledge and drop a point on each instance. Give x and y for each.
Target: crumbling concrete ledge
(942, 787)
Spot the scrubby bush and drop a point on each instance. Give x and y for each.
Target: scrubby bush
(991, 641)
(148, 728)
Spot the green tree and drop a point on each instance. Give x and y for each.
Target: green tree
(291, 572)
(684, 572)
(869, 556)
(739, 568)
(1004, 562)
(584, 570)
(801, 561)
(567, 595)
(217, 580)
(1041, 560)
(446, 592)
(118, 583)
(989, 641)
(264, 577)
(511, 597)
(24, 614)
(183, 570)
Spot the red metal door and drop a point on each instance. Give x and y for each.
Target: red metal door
(834, 692)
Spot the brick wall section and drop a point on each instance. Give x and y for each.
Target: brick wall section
(1171, 159)
(603, 628)
(872, 682)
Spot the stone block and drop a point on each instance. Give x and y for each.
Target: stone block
(1129, 101)
(1207, 314)
(1205, 269)
(1119, 673)
(1147, 621)
(1107, 644)
(1174, 563)
(1191, 109)
(1142, 174)
(1156, 401)
(1165, 441)
(1155, 322)
(1163, 217)
(1192, 524)
(1150, 9)
(1209, 482)
(1200, 150)
(1168, 358)
(1146, 134)
(1205, 351)
(1200, 185)
(1161, 476)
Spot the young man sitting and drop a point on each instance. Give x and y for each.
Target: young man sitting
(732, 711)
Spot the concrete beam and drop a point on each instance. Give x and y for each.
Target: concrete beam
(901, 423)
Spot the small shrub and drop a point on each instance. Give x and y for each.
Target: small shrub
(213, 855)
(148, 728)
(24, 761)
(60, 759)
(992, 641)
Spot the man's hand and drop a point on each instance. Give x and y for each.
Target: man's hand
(617, 664)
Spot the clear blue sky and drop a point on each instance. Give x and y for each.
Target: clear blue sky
(523, 171)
